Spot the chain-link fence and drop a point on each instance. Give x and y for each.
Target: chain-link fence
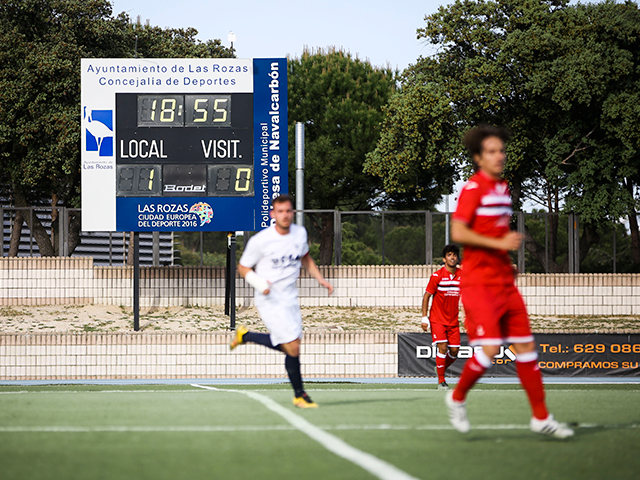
(554, 243)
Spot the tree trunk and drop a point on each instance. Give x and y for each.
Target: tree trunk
(74, 231)
(588, 238)
(16, 233)
(325, 227)
(38, 232)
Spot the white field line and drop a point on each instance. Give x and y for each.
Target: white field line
(366, 461)
(270, 428)
(430, 391)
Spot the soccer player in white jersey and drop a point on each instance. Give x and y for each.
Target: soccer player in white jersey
(271, 264)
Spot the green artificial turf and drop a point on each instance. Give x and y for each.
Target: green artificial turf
(183, 432)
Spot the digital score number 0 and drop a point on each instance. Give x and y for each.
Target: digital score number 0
(203, 147)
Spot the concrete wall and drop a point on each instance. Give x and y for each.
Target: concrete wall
(202, 355)
(49, 281)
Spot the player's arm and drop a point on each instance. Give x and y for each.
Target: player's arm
(253, 279)
(314, 271)
(461, 233)
(426, 325)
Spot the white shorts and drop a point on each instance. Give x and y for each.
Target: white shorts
(284, 321)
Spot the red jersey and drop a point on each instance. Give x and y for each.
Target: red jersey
(445, 288)
(485, 207)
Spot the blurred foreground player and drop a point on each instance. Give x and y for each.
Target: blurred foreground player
(495, 311)
(277, 253)
(444, 286)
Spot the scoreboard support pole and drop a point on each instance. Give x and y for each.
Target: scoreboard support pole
(230, 281)
(136, 281)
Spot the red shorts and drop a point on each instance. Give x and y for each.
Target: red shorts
(495, 314)
(445, 333)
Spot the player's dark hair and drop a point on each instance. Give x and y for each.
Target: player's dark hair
(473, 139)
(282, 199)
(451, 248)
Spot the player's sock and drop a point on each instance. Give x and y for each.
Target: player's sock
(292, 364)
(440, 366)
(473, 370)
(531, 380)
(449, 360)
(260, 339)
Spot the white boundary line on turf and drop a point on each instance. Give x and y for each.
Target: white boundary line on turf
(431, 391)
(271, 428)
(366, 461)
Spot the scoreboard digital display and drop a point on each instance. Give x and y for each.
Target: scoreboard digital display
(182, 144)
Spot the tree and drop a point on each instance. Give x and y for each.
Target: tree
(41, 44)
(339, 99)
(561, 78)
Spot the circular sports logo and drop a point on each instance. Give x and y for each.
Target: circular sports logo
(204, 211)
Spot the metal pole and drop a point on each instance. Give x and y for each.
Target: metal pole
(576, 242)
(201, 249)
(156, 249)
(546, 243)
(230, 296)
(383, 238)
(2, 224)
(571, 252)
(428, 238)
(61, 228)
(520, 220)
(300, 173)
(614, 248)
(446, 224)
(136, 281)
(337, 236)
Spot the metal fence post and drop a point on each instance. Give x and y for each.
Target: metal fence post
(576, 243)
(383, 238)
(337, 236)
(570, 252)
(614, 248)
(546, 243)
(428, 238)
(520, 226)
(2, 223)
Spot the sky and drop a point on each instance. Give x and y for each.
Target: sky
(380, 31)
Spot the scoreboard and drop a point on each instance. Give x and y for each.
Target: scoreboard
(182, 144)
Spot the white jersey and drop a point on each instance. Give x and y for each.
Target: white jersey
(276, 258)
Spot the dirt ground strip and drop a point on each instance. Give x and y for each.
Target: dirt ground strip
(104, 318)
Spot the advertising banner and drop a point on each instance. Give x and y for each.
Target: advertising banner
(567, 355)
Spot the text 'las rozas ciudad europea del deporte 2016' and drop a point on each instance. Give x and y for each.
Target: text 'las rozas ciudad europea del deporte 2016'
(182, 144)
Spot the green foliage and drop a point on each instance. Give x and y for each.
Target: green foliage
(404, 245)
(354, 250)
(339, 99)
(415, 155)
(562, 78)
(41, 44)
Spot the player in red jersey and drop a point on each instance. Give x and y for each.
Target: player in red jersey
(495, 310)
(444, 287)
